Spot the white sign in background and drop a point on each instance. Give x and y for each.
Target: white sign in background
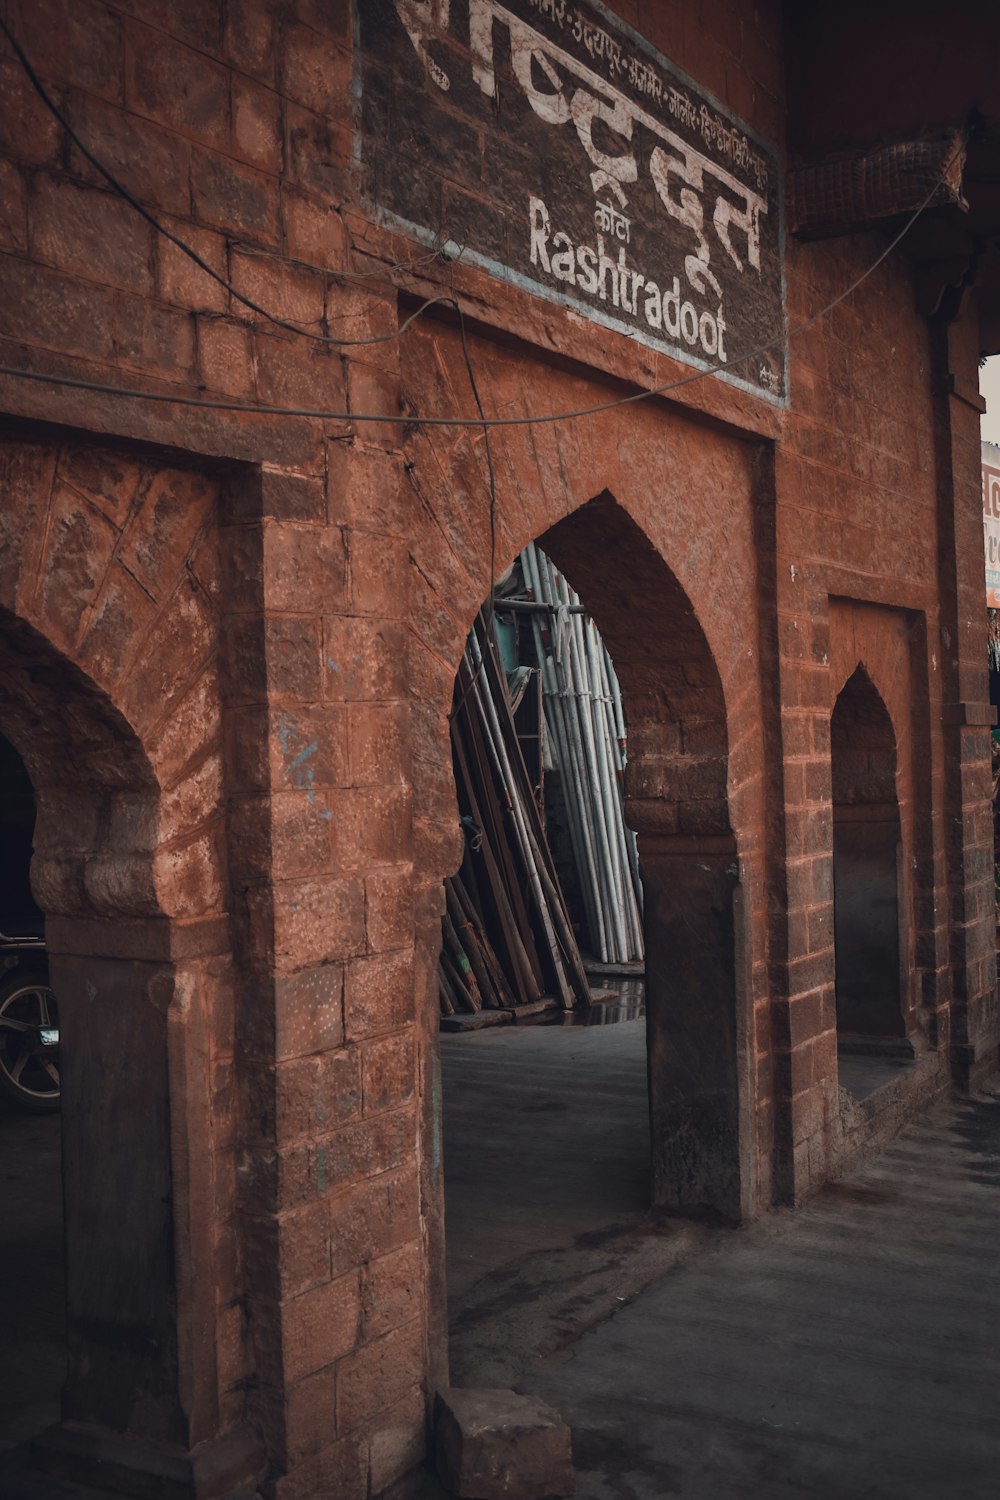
(991, 522)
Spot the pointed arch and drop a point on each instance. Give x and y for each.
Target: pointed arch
(109, 631)
(866, 867)
(676, 799)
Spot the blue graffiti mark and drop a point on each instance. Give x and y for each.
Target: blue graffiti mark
(297, 770)
(332, 664)
(286, 729)
(303, 755)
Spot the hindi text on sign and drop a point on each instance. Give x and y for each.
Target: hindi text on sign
(584, 166)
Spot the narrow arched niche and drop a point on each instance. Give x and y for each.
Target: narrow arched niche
(866, 870)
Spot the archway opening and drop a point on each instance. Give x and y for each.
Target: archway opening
(535, 1112)
(546, 1128)
(31, 1239)
(866, 874)
(96, 1234)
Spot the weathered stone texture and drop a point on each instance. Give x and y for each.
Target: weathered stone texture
(495, 1445)
(229, 642)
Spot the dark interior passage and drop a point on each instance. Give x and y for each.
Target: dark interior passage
(546, 1114)
(29, 1018)
(866, 853)
(32, 1256)
(19, 912)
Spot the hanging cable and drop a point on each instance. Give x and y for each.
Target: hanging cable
(491, 471)
(481, 420)
(719, 368)
(119, 187)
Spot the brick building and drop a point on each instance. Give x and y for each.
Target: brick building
(231, 617)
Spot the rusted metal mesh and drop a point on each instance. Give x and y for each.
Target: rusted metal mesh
(840, 193)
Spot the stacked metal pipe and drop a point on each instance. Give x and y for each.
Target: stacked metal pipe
(507, 935)
(587, 737)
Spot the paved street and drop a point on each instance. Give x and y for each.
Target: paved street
(849, 1350)
(846, 1351)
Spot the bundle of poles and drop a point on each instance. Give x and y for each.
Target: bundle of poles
(508, 939)
(587, 738)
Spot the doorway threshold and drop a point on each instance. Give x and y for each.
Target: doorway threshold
(863, 1076)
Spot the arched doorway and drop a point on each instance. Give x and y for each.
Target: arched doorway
(676, 797)
(109, 694)
(93, 841)
(866, 871)
(693, 1142)
(546, 1134)
(651, 518)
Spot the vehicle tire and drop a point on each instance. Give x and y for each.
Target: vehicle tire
(29, 1072)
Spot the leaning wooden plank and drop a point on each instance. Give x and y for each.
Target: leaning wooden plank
(466, 934)
(476, 1022)
(458, 985)
(460, 959)
(519, 816)
(446, 995)
(511, 929)
(473, 918)
(493, 699)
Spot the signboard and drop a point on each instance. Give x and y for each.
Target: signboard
(991, 522)
(549, 143)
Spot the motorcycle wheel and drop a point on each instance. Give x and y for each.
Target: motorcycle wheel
(29, 1074)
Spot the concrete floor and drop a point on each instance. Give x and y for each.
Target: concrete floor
(546, 1136)
(847, 1349)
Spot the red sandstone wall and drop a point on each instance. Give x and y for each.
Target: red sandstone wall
(351, 573)
(111, 562)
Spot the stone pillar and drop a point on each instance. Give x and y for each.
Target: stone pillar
(699, 1039)
(141, 1191)
(966, 712)
(321, 858)
(695, 1041)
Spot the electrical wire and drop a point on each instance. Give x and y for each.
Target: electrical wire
(489, 465)
(119, 187)
(490, 611)
(719, 367)
(480, 420)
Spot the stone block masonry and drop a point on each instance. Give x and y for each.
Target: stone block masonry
(229, 639)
